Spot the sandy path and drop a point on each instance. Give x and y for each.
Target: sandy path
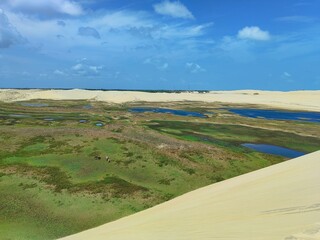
(299, 100)
(278, 202)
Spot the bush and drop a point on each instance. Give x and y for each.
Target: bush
(190, 171)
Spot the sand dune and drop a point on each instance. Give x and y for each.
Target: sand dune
(299, 100)
(278, 202)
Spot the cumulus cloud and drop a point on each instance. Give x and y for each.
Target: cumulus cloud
(77, 67)
(89, 32)
(8, 33)
(159, 63)
(253, 33)
(194, 68)
(177, 31)
(95, 69)
(86, 70)
(173, 9)
(125, 30)
(44, 7)
(59, 72)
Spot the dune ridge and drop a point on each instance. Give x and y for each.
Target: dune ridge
(297, 100)
(278, 202)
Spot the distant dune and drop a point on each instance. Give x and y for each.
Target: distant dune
(278, 202)
(299, 100)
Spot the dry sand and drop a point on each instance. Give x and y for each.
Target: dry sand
(299, 100)
(278, 202)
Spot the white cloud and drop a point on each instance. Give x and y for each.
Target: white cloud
(194, 68)
(8, 33)
(125, 30)
(159, 63)
(178, 31)
(58, 72)
(44, 7)
(253, 33)
(26, 74)
(121, 19)
(164, 66)
(84, 69)
(95, 69)
(77, 67)
(173, 9)
(286, 75)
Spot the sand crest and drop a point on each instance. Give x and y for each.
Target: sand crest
(298, 100)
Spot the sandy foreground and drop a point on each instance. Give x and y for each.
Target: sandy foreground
(278, 202)
(298, 100)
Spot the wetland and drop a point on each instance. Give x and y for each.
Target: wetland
(65, 168)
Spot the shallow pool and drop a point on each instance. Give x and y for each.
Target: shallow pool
(277, 114)
(87, 106)
(34, 104)
(275, 150)
(19, 116)
(49, 119)
(99, 124)
(170, 111)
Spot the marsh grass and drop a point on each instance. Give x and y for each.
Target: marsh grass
(58, 178)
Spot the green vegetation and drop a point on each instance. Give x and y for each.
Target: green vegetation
(225, 135)
(64, 175)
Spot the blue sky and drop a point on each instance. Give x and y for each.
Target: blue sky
(160, 44)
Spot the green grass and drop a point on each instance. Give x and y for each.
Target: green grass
(58, 178)
(39, 213)
(233, 135)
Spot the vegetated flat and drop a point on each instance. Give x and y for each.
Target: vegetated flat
(61, 172)
(266, 204)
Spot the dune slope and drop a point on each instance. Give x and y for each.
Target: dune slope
(278, 202)
(297, 100)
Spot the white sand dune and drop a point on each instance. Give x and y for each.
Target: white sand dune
(278, 202)
(298, 100)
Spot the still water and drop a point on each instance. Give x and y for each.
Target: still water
(170, 111)
(275, 150)
(277, 115)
